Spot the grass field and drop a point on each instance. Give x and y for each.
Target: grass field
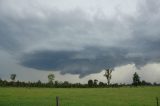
(144, 96)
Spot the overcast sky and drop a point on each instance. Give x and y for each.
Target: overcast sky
(77, 39)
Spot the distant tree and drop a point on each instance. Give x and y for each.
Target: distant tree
(51, 78)
(38, 83)
(155, 84)
(13, 77)
(95, 82)
(136, 79)
(145, 83)
(101, 84)
(56, 83)
(108, 75)
(66, 84)
(90, 83)
(1, 82)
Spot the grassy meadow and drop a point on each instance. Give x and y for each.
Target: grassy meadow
(140, 96)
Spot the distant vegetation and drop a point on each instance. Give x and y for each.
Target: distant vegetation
(91, 83)
(108, 75)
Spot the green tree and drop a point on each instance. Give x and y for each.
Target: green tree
(1, 82)
(101, 84)
(56, 83)
(136, 79)
(51, 78)
(90, 83)
(38, 83)
(66, 84)
(95, 82)
(13, 77)
(108, 75)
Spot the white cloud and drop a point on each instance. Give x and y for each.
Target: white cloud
(150, 72)
(124, 74)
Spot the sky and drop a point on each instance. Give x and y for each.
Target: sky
(77, 39)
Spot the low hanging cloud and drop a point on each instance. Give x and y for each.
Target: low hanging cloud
(75, 42)
(85, 62)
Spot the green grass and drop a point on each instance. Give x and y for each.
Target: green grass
(144, 96)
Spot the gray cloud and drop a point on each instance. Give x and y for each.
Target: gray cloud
(87, 61)
(55, 29)
(75, 42)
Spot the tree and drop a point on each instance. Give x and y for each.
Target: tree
(1, 82)
(51, 78)
(56, 83)
(108, 75)
(136, 79)
(90, 83)
(66, 84)
(13, 77)
(95, 82)
(101, 84)
(38, 83)
(143, 82)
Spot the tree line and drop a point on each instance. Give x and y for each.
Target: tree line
(58, 84)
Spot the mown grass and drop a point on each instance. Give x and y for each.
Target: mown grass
(141, 96)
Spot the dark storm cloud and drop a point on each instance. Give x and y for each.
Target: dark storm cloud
(74, 42)
(88, 61)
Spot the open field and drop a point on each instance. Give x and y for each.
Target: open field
(144, 96)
